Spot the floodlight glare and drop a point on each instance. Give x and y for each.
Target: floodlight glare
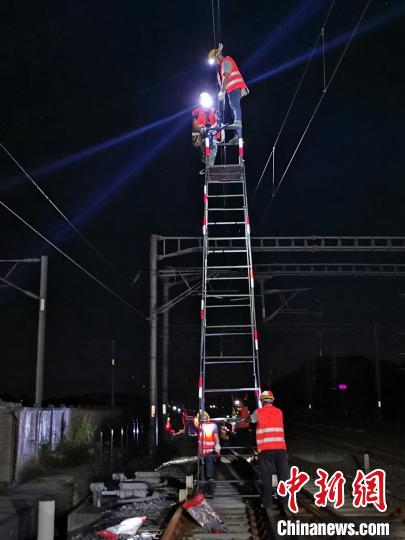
(211, 61)
(205, 100)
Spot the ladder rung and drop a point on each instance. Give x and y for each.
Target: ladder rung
(229, 334)
(225, 180)
(213, 390)
(229, 326)
(226, 238)
(226, 223)
(239, 209)
(220, 295)
(216, 267)
(227, 306)
(225, 167)
(238, 357)
(229, 362)
(226, 251)
(226, 278)
(225, 196)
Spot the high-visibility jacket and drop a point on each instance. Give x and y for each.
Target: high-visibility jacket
(207, 437)
(243, 414)
(236, 79)
(270, 429)
(203, 118)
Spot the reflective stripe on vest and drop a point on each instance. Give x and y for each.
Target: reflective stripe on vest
(270, 429)
(235, 79)
(207, 438)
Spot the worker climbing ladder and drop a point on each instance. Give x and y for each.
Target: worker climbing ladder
(229, 339)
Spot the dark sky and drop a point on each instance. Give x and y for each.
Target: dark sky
(75, 74)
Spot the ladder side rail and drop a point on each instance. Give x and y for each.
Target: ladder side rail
(255, 351)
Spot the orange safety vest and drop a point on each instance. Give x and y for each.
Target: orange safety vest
(207, 437)
(243, 414)
(270, 429)
(204, 118)
(236, 79)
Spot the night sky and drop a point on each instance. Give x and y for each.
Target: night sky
(76, 74)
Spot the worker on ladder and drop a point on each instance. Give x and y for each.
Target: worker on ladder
(205, 117)
(271, 447)
(209, 448)
(232, 83)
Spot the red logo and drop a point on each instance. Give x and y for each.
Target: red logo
(369, 489)
(292, 486)
(330, 489)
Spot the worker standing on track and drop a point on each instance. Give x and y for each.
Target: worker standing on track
(271, 446)
(231, 83)
(209, 448)
(203, 117)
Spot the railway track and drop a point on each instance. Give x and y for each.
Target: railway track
(237, 501)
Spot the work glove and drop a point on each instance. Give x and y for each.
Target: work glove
(217, 448)
(221, 96)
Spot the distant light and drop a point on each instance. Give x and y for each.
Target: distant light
(342, 387)
(237, 402)
(379, 404)
(205, 100)
(211, 61)
(174, 408)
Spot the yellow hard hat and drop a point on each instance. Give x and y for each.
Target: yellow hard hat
(205, 416)
(212, 54)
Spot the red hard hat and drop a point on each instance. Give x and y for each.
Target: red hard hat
(267, 395)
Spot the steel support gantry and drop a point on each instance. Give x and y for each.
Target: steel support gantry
(174, 268)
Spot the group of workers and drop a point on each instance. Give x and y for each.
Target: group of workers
(231, 84)
(270, 441)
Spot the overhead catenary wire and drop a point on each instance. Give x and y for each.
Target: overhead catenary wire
(75, 263)
(219, 21)
(213, 24)
(216, 22)
(286, 116)
(56, 207)
(322, 96)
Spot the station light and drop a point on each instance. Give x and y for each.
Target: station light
(205, 100)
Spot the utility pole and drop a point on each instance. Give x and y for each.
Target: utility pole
(39, 382)
(153, 347)
(377, 370)
(113, 373)
(165, 350)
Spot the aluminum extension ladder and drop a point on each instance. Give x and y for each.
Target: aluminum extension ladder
(229, 339)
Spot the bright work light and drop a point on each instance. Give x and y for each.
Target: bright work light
(205, 100)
